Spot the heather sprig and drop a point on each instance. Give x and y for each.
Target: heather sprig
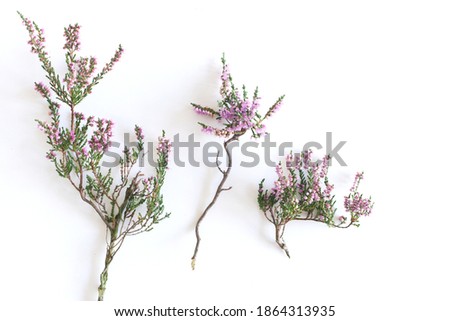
(236, 115)
(128, 206)
(302, 192)
(236, 112)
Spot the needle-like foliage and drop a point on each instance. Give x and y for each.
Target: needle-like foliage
(302, 192)
(128, 205)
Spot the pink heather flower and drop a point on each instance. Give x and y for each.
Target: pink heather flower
(84, 152)
(226, 114)
(279, 171)
(163, 149)
(225, 77)
(357, 205)
(36, 34)
(289, 160)
(325, 164)
(92, 65)
(90, 121)
(236, 128)
(290, 180)
(72, 35)
(281, 183)
(275, 107)
(358, 178)
(148, 184)
(316, 192)
(297, 161)
(80, 72)
(69, 78)
(208, 129)
(225, 73)
(202, 111)
(347, 203)
(28, 24)
(72, 137)
(260, 189)
(85, 69)
(79, 116)
(100, 140)
(255, 104)
(306, 159)
(342, 218)
(328, 189)
(43, 90)
(109, 66)
(278, 189)
(139, 134)
(51, 155)
(244, 106)
(54, 134)
(164, 145)
(260, 130)
(118, 54)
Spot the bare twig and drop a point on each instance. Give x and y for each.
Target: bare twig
(219, 190)
(279, 231)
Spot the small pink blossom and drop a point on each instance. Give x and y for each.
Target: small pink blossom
(138, 132)
(208, 129)
(260, 130)
(72, 137)
(109, 66)
(43, 90)
(51, 155)
(72, 35)
(203, 111)
(100, 140)
(237, 113)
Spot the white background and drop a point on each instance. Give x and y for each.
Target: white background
(375, 73)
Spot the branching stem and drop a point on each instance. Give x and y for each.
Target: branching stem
(220, 189)
(110, 252)
(279, 231)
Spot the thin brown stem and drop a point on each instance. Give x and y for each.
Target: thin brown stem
(321, 221)
(100, 182)
(219, 190)
(279, 231)
(72, 118)
(88, 201)
(217, 163)
(110, 252)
